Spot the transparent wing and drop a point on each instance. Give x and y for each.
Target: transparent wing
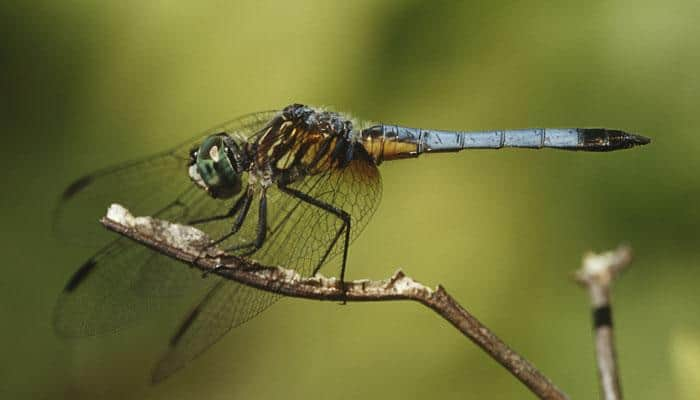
(145, 186)
(125, 281)
(227, 305)
(122, 283)
(299, 235)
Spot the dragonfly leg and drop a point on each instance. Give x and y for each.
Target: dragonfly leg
(240, 202)
(261, 230)
(240, 218)
(340, 213)
(240, 209)
(328, 250)
(242, 215)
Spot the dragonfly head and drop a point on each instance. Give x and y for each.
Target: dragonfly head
(216, 166)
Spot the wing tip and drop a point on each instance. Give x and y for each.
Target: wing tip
(76, 186)
(175, 339)
(80, 275)
(162, 371)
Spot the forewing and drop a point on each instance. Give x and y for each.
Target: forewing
(124, 280)
(145, 186)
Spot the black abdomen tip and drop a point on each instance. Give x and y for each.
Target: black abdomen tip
(599, 139)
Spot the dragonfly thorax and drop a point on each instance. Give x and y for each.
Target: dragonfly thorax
(216, 166)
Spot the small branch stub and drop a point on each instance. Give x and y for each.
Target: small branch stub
(597, 273)
(191, 246)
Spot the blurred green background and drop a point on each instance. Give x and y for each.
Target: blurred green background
(86, 84)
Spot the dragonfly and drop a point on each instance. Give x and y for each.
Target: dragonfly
(292, 188)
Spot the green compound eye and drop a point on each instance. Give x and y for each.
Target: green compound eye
(215, 169)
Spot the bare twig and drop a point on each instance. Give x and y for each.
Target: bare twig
(189, 245)
(597, 273)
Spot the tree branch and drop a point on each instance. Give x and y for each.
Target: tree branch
(597, 274)
(191, 246)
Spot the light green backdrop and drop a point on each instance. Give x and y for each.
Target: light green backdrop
(86, 84)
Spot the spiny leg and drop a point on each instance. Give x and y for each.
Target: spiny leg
(239, 209)
(230, 213)
(291, 212)
(261, 230)
(340, 213)
(328, 250)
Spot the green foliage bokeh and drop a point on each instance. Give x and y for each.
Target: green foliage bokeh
(87, 84)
